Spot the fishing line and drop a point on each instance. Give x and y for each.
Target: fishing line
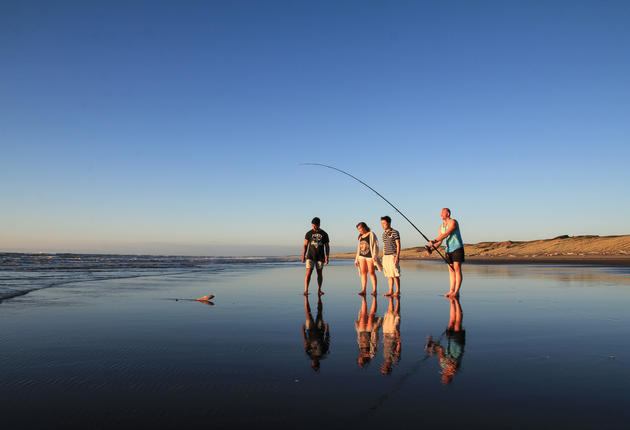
(388, 202)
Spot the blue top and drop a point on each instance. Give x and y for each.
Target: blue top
(454, 240)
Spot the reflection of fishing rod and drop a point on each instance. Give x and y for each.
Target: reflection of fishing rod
(399, 383)
(388, 202)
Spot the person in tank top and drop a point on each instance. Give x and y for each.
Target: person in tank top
(449, 234)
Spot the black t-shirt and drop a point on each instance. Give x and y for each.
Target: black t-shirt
(316, 241)
(364, 247)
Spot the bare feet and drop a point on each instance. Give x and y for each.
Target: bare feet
(391, 293)
(306, 292)
(320, 293)
(361, 293)
(373, 293)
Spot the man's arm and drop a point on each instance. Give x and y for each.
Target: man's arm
(450, 228)
(397, 251)
(304, 250)
(327, 248)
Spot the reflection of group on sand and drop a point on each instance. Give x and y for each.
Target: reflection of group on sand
(451, 355)
(391, 336)
(367, 327)
(315, 334)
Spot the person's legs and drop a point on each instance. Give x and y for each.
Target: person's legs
(373, 309)
(363, 269)
(388, 271)
(307, 279)
(370, 269)
(320, 279)
(362, 321)
(397, 281)
(390, 282)
(458, 278)
(451, 282)
(458, 315)
(452, 315)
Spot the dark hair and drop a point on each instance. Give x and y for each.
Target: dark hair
(365, 227)
(387, 218)
(315, 221)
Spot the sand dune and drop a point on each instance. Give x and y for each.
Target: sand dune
(569, 249)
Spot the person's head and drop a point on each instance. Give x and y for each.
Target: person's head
(363, 228)
(386, 222)
(445, 213)
(315, 223)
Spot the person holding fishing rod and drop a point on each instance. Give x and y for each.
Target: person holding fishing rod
(316, 241)
(367, 257)
(449, 232)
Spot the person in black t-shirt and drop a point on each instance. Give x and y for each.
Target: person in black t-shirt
(315, 253)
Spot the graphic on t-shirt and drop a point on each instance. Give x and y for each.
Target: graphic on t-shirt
(364, 247)
(316, 242)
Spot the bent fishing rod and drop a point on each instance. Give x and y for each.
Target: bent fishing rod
(388, 202)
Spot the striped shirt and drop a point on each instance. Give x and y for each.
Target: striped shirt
(389, 241)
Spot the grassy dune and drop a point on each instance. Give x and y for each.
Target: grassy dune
(562, 249)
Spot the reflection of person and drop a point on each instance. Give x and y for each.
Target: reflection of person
(367, 257)
(367, 326)
(451, 356)
(391, 255)
(391, 336)
(317, 243)
(315, 334)
(449, 232)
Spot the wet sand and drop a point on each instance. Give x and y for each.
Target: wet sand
(538, 347)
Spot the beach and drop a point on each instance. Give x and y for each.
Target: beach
(536, 347)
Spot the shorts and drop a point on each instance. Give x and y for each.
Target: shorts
(390, 270)
(310, 264)
(456, 256)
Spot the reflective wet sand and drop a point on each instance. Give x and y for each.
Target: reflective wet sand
(523, 347)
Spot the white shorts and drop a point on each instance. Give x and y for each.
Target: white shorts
(312, 263)
(360, 257)
(390, 270)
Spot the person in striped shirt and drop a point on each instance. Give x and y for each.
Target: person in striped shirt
(391, 255)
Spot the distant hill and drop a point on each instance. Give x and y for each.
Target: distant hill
(567, 249)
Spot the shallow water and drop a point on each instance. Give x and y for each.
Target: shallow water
(541, 346)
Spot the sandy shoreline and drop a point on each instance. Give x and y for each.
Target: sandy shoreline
(588, 250)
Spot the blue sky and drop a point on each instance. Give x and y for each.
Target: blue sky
(178, 127)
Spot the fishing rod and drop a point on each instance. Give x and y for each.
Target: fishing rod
(388, 202)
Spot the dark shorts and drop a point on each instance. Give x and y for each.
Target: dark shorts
(457, 255)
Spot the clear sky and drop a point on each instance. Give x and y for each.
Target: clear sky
(177, 127)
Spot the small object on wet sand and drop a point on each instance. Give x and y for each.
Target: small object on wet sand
(205, 300)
